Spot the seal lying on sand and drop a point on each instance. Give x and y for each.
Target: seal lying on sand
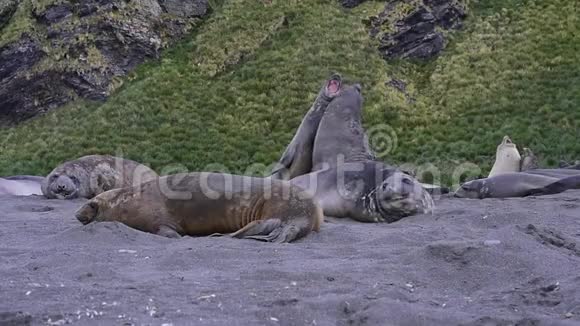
(367, 191)
(516, 185)
(91, 175)
(345, 182)
(529, 161)
(297, 158)
(21, 185)
(507, 158)
(207, 203)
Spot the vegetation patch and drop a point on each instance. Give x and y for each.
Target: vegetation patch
(228, 99)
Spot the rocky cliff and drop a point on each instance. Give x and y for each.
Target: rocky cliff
(54, 51)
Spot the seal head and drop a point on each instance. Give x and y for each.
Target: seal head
(63, 186)
(474, 189)
(398, 196)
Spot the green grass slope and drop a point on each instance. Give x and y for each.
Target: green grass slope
(231, 96)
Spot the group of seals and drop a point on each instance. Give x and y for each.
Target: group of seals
(330, 147)
(345, 178)
(91, 175)
(207, 203)
(515, 176)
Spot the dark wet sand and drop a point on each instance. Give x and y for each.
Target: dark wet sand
(474, 262)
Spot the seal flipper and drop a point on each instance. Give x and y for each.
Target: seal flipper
(256, 228)
(285, 162)
(166, 231)
(559, 186)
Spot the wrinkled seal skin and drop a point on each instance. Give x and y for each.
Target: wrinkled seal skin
(21, 185)
(91, 175)
(206, 203)
(297, 158)
(517, 185)
(341, 136)
(367, 191)
(507, 158)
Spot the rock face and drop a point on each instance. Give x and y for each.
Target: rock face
(77, 48)
(418, 34)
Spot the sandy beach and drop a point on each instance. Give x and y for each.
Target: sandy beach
(473, 262)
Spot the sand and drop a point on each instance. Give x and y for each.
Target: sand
(474, 262)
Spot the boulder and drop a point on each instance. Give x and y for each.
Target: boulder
(80, 46)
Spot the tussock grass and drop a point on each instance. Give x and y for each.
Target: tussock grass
(235, 91)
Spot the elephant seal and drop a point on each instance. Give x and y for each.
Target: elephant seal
(529, 161)
(297, 158)
(206, 203)
(21, 185)
(518, 184)
(507, 158)
(555, 173)
(341, 135)
(367, 191)
(346, 180)
(91, 175)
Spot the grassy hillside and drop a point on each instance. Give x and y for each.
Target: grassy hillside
(234, 92)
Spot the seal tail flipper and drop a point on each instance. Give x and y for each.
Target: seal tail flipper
(286, 233)
(559, 186)
(166, 231)
(255, 228)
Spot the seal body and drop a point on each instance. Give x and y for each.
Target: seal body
(297, 158)
(91, 175)
(367, 191)
(529, 161)
(341, 136)
(517, 185)
(21, 185)
(507, 158)
(555, 173)
(207, 203)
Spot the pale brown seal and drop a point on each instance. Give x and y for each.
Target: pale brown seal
(507, 158)
(206, 203)
(297, 158)
(91, 175)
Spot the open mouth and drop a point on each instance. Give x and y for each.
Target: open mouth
(333, 86)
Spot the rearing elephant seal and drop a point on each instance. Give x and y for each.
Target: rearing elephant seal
(205, 203)
(346, 182)
(91, 175)
(297, 158)
(341, 135)
(367, 191)
(507, 158)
